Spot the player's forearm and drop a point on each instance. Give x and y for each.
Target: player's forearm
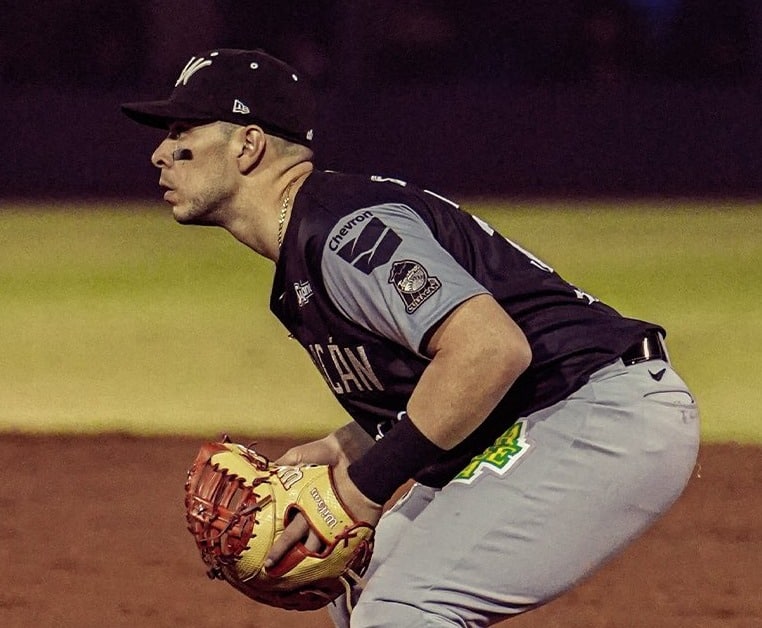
(343, 445)
(477, 354)
(351, 440)
(460, 387)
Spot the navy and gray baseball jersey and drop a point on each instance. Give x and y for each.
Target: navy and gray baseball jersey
(370, 266)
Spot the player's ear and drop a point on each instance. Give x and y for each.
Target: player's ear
(251, 147)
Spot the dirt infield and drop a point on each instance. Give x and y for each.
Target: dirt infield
(92, 534)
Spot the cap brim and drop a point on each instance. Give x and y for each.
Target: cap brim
(158, 113)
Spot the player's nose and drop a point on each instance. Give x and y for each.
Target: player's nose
(162, 156)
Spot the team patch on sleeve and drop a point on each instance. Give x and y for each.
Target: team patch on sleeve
(413, 283)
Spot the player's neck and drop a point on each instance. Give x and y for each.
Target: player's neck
(260, 214)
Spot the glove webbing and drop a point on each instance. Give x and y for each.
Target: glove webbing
(218, 516)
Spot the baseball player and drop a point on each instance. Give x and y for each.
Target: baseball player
(543, 430)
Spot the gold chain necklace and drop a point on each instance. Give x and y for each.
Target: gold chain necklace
(283, 210)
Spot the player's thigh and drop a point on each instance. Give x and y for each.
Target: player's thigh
(460, 562)
(553, 503)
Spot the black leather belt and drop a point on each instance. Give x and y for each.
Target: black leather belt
(650, 347)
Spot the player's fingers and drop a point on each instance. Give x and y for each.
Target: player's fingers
(313, 542)
(292, 458)
(316, 452)
(295, 532)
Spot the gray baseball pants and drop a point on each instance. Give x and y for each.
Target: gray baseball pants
(574, 485)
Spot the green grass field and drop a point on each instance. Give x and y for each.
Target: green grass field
(118, 319)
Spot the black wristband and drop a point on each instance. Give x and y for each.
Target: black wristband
(393, 460)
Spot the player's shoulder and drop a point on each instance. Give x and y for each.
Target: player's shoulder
(340, 202)
(349, 191)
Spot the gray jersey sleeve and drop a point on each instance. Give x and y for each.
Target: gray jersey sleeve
(383, 268)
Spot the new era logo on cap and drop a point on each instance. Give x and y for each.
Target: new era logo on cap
(239, 107)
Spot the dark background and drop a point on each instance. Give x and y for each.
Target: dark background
(517, 98)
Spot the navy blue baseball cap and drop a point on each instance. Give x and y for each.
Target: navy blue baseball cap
(238, 86)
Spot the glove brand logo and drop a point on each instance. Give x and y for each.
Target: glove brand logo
(330, 519)
(371, 249)
(289, 476)
(413, 283)
(503, 454)
(193, 66)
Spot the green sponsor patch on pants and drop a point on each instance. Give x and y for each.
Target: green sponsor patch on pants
(500, 456)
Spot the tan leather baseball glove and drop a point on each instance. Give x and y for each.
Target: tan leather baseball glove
(238, 502)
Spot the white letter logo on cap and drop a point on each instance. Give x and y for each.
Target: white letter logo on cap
(193, 66)
(239, 107)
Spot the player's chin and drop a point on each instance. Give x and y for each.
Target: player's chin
(182, 215)
(186, 215)
(180, 210)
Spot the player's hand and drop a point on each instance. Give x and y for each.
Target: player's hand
(323, 451)
(361, 508)
(298, 531)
